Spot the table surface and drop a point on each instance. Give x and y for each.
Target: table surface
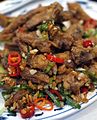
(89, 113)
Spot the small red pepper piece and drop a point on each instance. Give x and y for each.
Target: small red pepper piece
(28, 111)
(53, 58)
(91, 86)
(87, 43)
(56, 93)
(84, 90)
(20, 29)
(90, 23)
(14, 58)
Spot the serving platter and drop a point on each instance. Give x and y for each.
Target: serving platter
(56, 113)
(11, 5)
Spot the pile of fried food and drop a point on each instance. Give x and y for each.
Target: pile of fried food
(50, 58)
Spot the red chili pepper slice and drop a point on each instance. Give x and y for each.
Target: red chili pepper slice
(28, 111)
(20, 29)
(14, 58)
(87, 43)
(84, 90)
(91, 86)
(56, 93)
(90, 23)
(53, 58)
(14, 71)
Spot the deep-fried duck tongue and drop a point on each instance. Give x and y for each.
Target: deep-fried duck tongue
(15, 97)
(31, 39)
(5, 20)
(78, 11)
(52, 12)
(38, 77)
(49, 12)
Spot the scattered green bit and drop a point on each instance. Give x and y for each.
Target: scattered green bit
(43, 27)
(44, 36)
(49, 67)
(92, 76)
(51, 80)
(11, 112)
(54, 99)
(63, 91)
(5, 95)
(90, 32)
(2, 70)
(41, 94)
(1, 83)
(28, 51)
(71, 102)
(86, 35)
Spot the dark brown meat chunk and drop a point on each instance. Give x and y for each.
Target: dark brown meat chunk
(65, 15)
(93, 67)
(65, 40)
(31, 39)
(81, 54)
(79, 13)
(8, 82)
(39, 62)
(36, 16)
(36, 78)
(72, 82)
(64, 55)
(52, 12)
(6, 37)
(20, 20)
(67, 59)
(15, 97)
(5, 20)
(11, 47)
(62, 69)
(76, 31)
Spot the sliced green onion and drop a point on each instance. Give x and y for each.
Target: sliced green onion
(5, 95)
(43, 27)
(71, 102)
(92, 76)
(1, 83)
(49, 67)
(86, 35)
(11, 112)
(51, 80)
(54, 99)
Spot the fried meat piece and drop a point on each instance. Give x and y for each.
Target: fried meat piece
(15, 97)
(81, 54)
(31, 39)
(38, 62)
(52, 12)
(5, 20)
(65, 40)
(79, 13)
(38, 77)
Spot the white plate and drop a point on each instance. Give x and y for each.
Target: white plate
(53, 115)
(11, 5)
(67, 110)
